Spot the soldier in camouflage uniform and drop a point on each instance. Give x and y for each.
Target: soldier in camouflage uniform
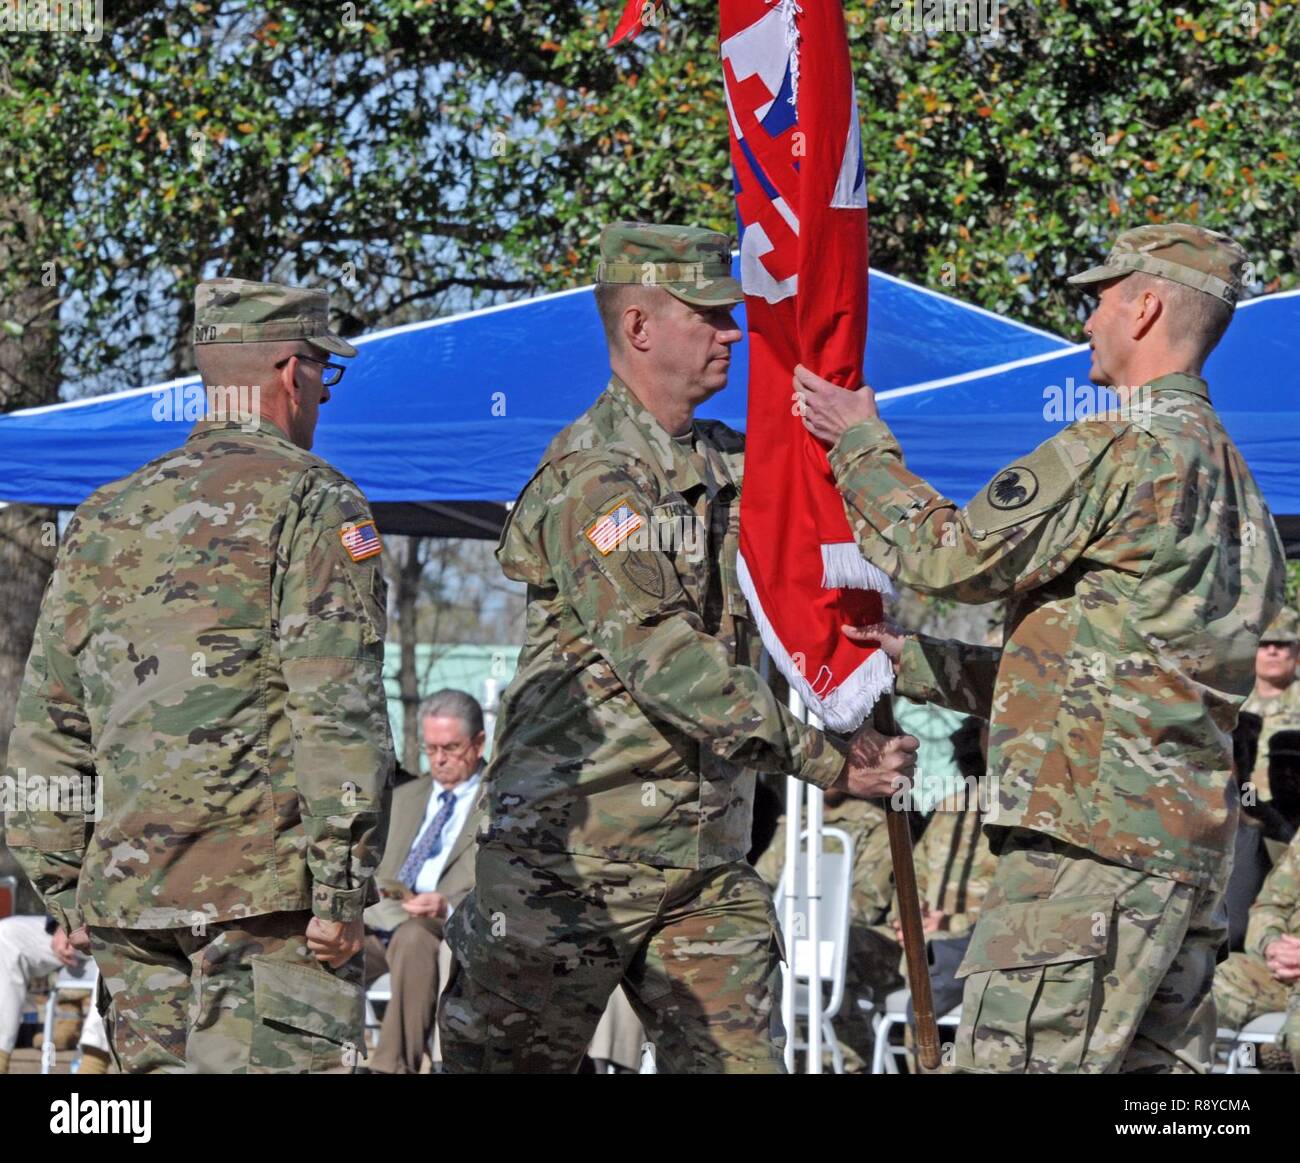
(1278, 702)
(1141, 567)
(619, 798)
(1265, 979)
(209, 653)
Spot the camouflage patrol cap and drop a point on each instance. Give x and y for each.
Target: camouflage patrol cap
(1190, 255)
(240, 311)
(1284, 628)
(692, 264)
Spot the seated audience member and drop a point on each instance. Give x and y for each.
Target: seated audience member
(1265, 978)
(1276, 695)
(31, 948)
(427, 870)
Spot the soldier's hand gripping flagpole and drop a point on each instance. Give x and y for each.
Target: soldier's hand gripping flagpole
(909, 908)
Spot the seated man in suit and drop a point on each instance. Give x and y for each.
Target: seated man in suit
(427, 870)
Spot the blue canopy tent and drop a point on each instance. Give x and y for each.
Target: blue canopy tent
(443, 422)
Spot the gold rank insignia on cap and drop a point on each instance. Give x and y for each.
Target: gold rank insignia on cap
(361, 540)
(615, 527)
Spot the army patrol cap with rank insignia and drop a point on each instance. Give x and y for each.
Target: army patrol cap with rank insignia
(240, 311)
(1190, 255)
(691, 264)
(1284, 628)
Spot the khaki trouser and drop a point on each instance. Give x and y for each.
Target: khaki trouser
(239, 997)
(411, 960)
(1080, 965)
(544, 940)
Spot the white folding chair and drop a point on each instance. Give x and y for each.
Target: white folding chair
(81, 979)
(886, 1058)
(827, 966)
(381, 990)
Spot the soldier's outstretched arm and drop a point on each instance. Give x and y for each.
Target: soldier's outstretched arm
(1024, 528)
(50, 780)
(936, 670)
(630, 601)
(957, 675)
(332, 619)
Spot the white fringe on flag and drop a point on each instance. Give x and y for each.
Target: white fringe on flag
(788, 10)
(849, 703)
(843, 567)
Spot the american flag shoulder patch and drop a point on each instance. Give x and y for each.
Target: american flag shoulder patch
(361, 540)
(615, 527)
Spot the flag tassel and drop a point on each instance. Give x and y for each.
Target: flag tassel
(844, 568)
(851, 701)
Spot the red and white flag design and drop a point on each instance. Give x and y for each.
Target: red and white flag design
(801, 194)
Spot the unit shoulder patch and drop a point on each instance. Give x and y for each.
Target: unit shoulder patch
(1013, 488)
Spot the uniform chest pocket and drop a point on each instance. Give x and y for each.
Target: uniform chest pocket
(677, 533)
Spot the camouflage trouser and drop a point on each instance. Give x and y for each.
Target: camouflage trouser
(544, 939)
(241, 997)
(1244, 990)
(1080, 965)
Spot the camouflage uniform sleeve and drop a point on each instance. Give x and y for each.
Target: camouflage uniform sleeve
(51, 766)
(1276, 911)
(1021, 531)
(641, 620)
(952, 674)
(332, 619)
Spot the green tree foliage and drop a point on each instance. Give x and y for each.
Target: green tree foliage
(996, 163)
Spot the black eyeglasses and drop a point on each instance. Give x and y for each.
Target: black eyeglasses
(330, 373)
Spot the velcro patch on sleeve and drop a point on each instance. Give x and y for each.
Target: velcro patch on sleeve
(614, 527)
(361, 540)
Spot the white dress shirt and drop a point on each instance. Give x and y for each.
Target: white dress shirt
(466, 793)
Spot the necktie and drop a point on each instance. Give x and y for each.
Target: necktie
(430, 842)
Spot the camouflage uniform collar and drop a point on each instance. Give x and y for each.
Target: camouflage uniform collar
(1181, 382)
(263, 427)
(668, 453)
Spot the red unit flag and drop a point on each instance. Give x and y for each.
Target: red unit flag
(801, 195)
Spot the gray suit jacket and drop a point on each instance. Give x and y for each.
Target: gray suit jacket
(405, 817)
